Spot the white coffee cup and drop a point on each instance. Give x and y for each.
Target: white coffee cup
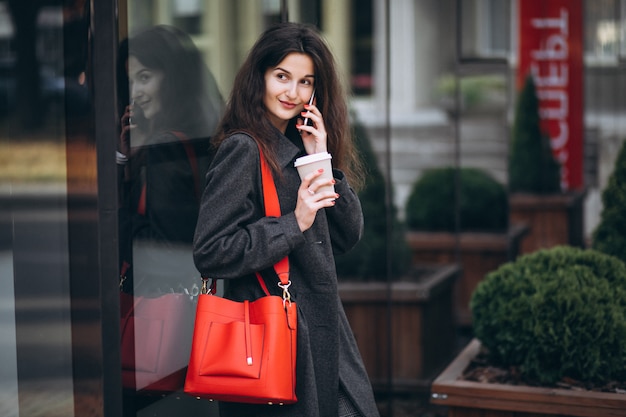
(314, 162)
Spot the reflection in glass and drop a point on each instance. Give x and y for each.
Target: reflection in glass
(35, 326)
(163, 153)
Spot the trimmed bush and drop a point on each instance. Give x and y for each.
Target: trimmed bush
(476, 90)
(366, 261)
(532, 167)
(555, 313)
(483, 201)
(610, 235)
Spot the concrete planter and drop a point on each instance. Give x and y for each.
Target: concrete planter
(422, 326)
(481, 399)
(478, 254)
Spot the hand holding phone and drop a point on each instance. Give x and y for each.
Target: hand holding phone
(306, 119)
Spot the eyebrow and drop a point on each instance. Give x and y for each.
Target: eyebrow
(289, 72)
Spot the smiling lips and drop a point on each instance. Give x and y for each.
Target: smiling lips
(287, 104)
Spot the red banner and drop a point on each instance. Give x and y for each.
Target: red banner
(551, 49)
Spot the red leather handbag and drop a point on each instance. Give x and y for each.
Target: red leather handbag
(246, 351)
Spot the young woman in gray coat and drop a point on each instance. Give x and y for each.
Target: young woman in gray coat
(267, 108)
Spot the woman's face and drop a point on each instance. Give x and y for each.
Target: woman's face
(145, 87)
(288, 87)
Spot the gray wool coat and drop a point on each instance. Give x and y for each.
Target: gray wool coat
(234, 239)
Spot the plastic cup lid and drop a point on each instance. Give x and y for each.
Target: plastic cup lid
(315, 157)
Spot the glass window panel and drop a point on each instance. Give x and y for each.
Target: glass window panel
(174, 104)
(177, 66)
(497, 31)
(602, 31)
(361, 78)
(188, 15)
(35, 326)
(622, 27)
(485, 28)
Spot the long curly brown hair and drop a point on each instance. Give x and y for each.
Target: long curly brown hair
(245, 110)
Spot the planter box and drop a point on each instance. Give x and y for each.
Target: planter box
(553, 219)
(477, 253)
(421, 325)
(480, 399)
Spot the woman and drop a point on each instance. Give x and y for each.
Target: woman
(164, 155)
(234, 239)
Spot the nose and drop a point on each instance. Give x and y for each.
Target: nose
(292, 91)
(135, 91)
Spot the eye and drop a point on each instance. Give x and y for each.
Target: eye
(143, 77)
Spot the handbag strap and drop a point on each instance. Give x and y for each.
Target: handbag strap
(272, 208)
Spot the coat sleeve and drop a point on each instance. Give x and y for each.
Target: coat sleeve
(345, 219)
(233, 237)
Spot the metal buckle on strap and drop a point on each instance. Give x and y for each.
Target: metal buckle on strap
(205, 286)
(286, 294)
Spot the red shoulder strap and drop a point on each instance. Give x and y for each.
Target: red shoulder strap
(272, 208)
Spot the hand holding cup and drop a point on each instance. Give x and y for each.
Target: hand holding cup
(314, 162)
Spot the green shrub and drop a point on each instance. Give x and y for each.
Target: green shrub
(483, 202)
(366, 261)
(532, 167)
(555, 313)
(610, 235)
(475, 90)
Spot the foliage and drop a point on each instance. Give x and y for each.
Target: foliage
(532, 167)
(610, 235)
(483, 202)
(475, 90)
(366, 261)
(558, 312)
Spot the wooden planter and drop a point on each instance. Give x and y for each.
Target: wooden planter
(421, 324)
(478, 254)
(553, 219)
(481, 399)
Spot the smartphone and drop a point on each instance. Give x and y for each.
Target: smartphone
(307, 122)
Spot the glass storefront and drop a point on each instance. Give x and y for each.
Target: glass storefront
(36, 366)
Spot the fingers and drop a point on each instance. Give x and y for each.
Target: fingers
(316, 188)
(313, 135)
(311, 121)
(314, 194)
(128, 118)
(126, 127)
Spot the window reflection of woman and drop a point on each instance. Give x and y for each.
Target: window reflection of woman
(164, 151)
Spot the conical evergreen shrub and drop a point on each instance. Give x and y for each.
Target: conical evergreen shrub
(610, 235)
(532, 167)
